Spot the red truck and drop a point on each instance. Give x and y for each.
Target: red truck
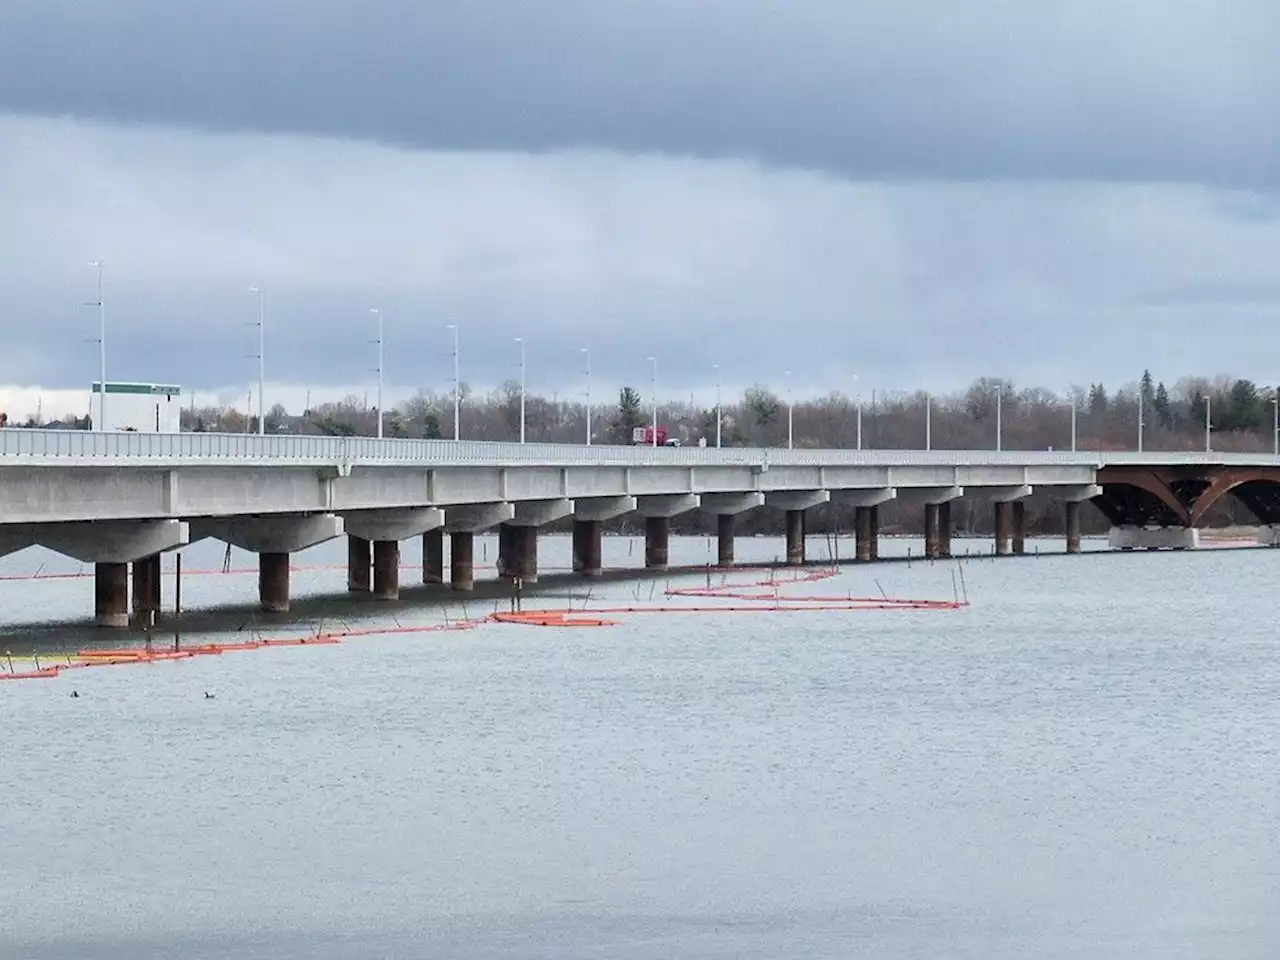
(643, 437)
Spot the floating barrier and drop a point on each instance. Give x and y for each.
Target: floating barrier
(761, 596)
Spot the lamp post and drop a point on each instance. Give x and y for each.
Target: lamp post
(457, 384)
(520, 343)
(928, 421)
(262, 362)
(857, 405)
(378, 313)
(1140, 418)
(719, 407)
(1275, 424)
(586, 352)
(999, 417)
(653, 386)
(100, 303)
(1208, 441)
(790, 415)
(1072, 400)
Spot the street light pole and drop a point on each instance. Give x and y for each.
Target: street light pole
(520, 341)
(719, 406)
(586, 351)
(999, 417)
(928, 421)
(378, 313)
(100, 303)
(1208, 442)
(262, 355)
(653, 384)
(1072, 401)
(457, 387)
(1139, 418)
(790, 415)
(1275, 424)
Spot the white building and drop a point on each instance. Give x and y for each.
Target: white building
(138, 407)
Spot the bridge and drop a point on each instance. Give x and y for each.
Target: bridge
(116, 500)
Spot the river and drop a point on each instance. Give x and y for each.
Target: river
(1083, 763)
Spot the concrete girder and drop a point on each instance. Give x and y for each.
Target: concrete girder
(602, 508)
(929, 496)
(375, 525)
(730, 504)
(797, 499)
(538, 513)
(477, 517)
(273, 534)
(1004, 494)
(667, 505)
(114, 541)
(871, 497)
(1076, 493)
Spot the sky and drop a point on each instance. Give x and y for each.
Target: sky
(816, 195)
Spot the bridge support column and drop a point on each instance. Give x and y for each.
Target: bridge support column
(588, 552)
(932, 544)
(795, 538)
(526, 543)
(657, 537)
(1004, 525)
(433, 556)
(386, 570)
(146, 590)
(1018, 523)
(724, 539)
(944, 529)
(462, 544)
(359, 563)
(508, 549)
(111, 594)
(273, 582)
(866, 529)
(1154, 538)
(1073, 526)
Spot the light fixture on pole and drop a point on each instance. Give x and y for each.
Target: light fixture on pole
(1208, 441)
(1140, 418)
(457, 386)
(719, 406)
(790, 415)
(261, 325)
(520, 342)
(928, 421)
(653, 386)
(378, 313)
(999, 417)
(586, 352)
(857, 406)
(100, 303)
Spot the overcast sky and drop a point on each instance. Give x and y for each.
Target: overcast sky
(914, 193)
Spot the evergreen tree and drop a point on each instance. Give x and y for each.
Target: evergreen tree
(630, 416)
(1163, 407)
(1098, 401)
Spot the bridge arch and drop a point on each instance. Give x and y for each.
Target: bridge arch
(1139, 495)
(1256, 488)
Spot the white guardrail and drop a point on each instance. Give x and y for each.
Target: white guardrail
(63, 446)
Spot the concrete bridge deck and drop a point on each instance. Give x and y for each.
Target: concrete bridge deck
(116, 499)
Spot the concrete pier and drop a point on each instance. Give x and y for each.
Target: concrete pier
(1018, 522)
(111, 594)
(386, 570)
(508, 551)
(1073, 526)
(433, 556)
(932, 536)
(1004, 527)
(724, 539)
(589, 547)
(1153, 538)
(526, 544)
(944, 529)
(359, 565)
(795, 538)
(146, 590)
(657, 537)
(461, 551)
(866, 529)
(273, 582)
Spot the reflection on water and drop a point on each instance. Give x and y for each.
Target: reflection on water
(1080, 765)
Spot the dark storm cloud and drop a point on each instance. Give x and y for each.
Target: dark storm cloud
(989, 89)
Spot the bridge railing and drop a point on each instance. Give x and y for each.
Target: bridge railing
(23, 445)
